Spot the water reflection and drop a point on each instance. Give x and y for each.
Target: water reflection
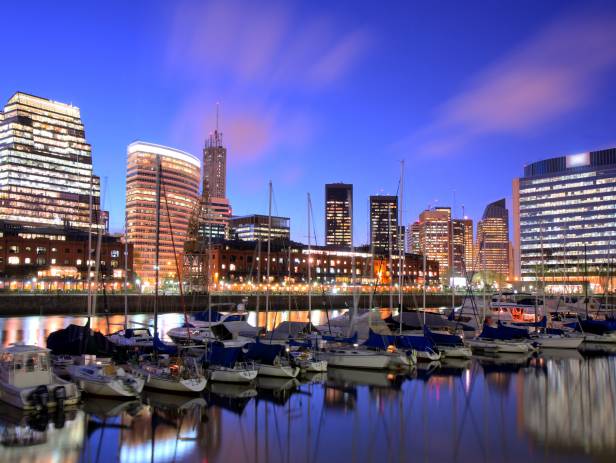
(559, 406)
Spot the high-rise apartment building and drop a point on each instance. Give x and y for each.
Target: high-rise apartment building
(179, 179)
(384, 230)
(413, 244)
(217, 210)
(434, 237)
(46, 176)
(339, 214)
(565, 219)
(468, 250)
(493, 239)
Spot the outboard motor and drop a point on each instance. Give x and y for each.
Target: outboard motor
(40, 397)
(59, 394)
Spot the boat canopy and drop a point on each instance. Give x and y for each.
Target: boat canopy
(540, 324)
(599, 327)
(78, 340)
(218, 354)
(163, 348)
(287, 329)
(204, 316)
(379, 341)
(418, 343)
(440, 339)
(503, 332)
(351, 340)
(263, 353)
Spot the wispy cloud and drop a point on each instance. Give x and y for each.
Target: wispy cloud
(252, 42)
(553, 74)
(251, 56)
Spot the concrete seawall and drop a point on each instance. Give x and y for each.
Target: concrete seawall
(12, 305)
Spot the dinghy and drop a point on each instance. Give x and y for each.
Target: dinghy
(106, 380)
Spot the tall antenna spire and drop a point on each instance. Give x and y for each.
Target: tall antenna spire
(217, 111)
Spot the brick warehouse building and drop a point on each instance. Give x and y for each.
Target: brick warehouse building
(238, 261)
(56, 259)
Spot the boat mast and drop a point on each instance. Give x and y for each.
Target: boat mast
(354, 313)
(401, 245)
(97, 261)
(126, 270)
(425, 281)
(269, 248)
(391, 266)
(309, 264)
(157, 248)
(258, 276)
(88, 263)
(453, 256)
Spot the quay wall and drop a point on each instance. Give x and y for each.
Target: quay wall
(12, 305)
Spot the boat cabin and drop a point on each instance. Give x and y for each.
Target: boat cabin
(25, 366)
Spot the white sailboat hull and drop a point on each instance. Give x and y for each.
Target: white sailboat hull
(510, 347)
(356, 359)
(164, 383)
(559, 342)
(233, 375)
(278, 371)
(459, 352)
(609, 338)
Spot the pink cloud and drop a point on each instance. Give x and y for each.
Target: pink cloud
(553, 74)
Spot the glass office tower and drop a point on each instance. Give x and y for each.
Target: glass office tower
(565, 219)
(46, 174)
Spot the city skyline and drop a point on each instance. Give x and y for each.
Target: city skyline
(272, 134)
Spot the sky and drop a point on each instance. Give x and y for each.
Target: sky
(465, 93)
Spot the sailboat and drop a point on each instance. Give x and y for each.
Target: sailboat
(225, 365)
(163, 369)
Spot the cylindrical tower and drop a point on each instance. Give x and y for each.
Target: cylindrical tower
(180, 177)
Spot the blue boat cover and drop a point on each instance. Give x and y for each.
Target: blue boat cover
(418, 343)
(503, 332)
(554, 331)
(351, 340)
(163, 348)
(263, 353)
(204, 316)
(450, 340)
(294, 343)
(540, 324)
(218, 354)
(379, 341)
(599, 327)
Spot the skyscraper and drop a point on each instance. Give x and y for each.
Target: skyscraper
(217, 210)
(493, 239)
(46, 174)
(179, 178)
(434, 237)
(339, 214)
(469, 254)
(565, 220)
(413, 244)
(384, 224)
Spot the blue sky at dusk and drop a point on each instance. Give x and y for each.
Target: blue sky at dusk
(316, 92)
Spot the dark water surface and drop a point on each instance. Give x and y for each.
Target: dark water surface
(559, 407)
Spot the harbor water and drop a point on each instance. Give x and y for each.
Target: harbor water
(556, 406)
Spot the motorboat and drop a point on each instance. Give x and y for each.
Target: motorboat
(225, 365)
(27, 380)
(132, 338)
(170, 373)
(106, 380)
